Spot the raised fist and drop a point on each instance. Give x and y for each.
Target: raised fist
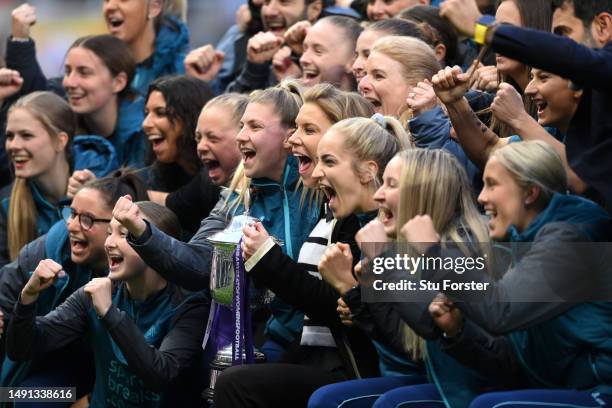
(24, 17)
(10, 83)
(43, 276)
(128, 214)
(295, 35)
(204, 63)
(262, 47)
(78, 180)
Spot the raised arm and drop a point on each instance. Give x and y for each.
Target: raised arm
(186, 264)
(559, 55)
(477, 140)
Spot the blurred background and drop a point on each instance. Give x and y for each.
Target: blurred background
(60, 22)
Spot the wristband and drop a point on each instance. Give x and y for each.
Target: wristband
(480, 30)
(480, 33)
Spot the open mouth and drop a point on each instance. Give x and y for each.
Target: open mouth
(155, 140)
(20, 161)
(211, 164)
(114, 22)
(275, 26)
(213, 167)
(386, 216)
(331, 195)
(248, 155)
(376, 103)
(114, 261)
(78, 245)
(305, 164)
(541, 105)
(310, 76)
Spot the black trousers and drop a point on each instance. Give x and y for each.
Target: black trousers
(271, 385)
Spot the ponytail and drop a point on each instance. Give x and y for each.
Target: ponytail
(22, 214)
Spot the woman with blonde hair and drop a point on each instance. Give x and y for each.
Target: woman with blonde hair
(551, 287)
(396, 65)
(265, 184)
(39, 142)
(358, 147)
(416, 181)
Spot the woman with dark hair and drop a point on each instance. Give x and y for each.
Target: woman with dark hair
(76, 243)
(436, 31)
(97, 73)
(145, 332)
(171, 116)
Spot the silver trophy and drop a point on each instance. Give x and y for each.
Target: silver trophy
(222, 290)
(222, 268)
(223, 360)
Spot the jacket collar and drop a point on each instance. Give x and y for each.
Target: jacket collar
(289, 179)
(590, 218)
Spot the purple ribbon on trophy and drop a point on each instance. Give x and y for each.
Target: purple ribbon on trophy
(242, 342)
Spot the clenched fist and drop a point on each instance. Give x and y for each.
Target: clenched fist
(262, 47)
(10, 83)
(336, 267)
(371, 238)
(128, 214)
(204, 63)
(24, 17)
(99, 289)
(43, 276)
(450, 84)
(446, 315)
(485, 78)
(508, 106)
(295, 35)
(420, 233)
(78, 180)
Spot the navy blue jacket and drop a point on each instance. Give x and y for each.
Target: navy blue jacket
(588, 143)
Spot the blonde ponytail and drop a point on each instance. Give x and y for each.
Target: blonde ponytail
(22, 214)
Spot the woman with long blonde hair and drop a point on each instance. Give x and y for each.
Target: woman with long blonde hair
(416, 181)
(42, 150)
(349, 159)
(524, 317)
(38, 138)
